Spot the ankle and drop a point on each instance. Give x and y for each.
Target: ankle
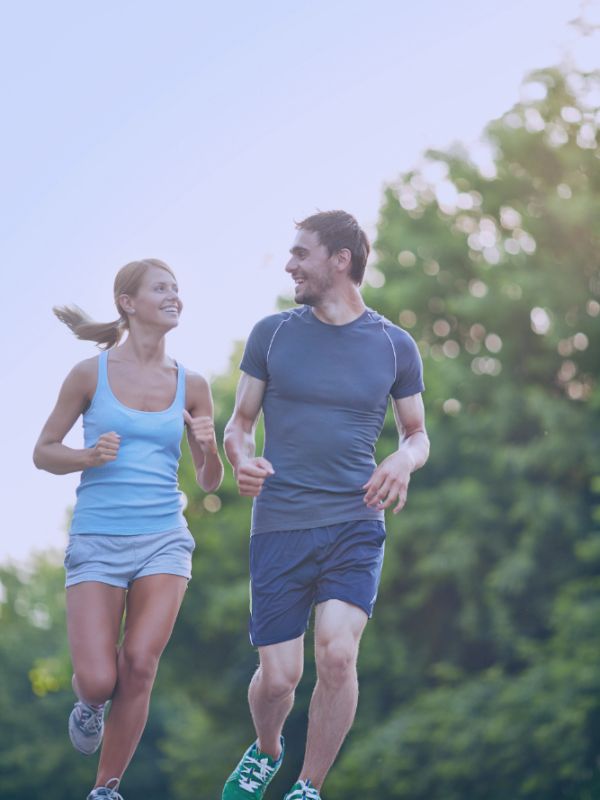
(270, 747)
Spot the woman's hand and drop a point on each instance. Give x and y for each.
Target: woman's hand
(202, 430)
(106, 449)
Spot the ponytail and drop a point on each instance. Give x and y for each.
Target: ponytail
(105, 334)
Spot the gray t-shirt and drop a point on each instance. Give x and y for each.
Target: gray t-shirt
(326, 395)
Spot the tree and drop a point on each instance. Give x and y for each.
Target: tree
(493, 566)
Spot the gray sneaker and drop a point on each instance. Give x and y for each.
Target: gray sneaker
(106, 792)
(86, 726)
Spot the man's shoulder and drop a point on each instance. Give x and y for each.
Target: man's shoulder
(269, 324)
(397, 334)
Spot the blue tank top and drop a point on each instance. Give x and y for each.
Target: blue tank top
(138, 492)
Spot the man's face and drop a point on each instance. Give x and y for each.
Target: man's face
(311, 268)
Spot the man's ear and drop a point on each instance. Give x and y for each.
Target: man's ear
(343, 259)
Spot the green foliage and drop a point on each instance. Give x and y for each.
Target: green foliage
(479, 672)
(491, 589)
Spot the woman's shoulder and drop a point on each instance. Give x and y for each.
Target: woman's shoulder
(195, 381)
(84, 374)
(198, 396)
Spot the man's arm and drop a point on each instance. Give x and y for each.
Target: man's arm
(250, 471)
(389, 482)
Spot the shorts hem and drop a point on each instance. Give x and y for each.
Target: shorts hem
(277, 639)
(368, 611)
(119, 584)
(173, 571)
(73, 580)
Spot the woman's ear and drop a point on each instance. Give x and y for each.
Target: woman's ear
(125, 304)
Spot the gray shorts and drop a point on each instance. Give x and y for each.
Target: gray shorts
(119, 560)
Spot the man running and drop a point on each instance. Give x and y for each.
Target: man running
(322, 374)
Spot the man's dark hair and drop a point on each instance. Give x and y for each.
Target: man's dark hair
(338, 230)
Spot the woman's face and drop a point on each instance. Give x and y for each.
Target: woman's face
(156, 301)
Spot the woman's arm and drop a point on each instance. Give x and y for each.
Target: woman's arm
(198, 416)
(75, 395)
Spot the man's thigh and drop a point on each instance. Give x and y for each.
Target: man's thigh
(283, 574)
(350, 569)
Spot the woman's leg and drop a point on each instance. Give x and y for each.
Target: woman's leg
(94, 613)
(152, 606)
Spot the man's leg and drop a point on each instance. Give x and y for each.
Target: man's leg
(338, 628)
(271, 692)
(271, 697)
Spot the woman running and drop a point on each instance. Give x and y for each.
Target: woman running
(129, 548)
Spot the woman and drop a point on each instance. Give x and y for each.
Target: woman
(130, 548)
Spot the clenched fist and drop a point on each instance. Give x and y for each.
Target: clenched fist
(106, 449)
(202, 430)
(251, 474)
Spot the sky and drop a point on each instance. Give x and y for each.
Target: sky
(197, 133)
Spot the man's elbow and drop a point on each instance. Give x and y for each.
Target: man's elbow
(236, 430)
(426, 446)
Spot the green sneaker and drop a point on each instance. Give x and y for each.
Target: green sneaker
(303, 790)
(252, 775)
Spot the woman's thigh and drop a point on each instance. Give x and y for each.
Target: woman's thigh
(153, 603)
(94, 614)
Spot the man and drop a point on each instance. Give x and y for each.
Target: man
(321, 374)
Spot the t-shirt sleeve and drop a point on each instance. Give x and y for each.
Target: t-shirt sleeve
(254, 360)
(409, 366)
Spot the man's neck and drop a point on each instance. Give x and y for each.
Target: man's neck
(341, 309)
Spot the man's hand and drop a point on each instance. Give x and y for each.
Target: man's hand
(202, 430)
(250, 475)
(389, 482)
(106, 449)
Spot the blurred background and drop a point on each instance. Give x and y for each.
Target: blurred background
(465, 139)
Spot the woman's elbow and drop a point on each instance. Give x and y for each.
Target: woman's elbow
(37, 457)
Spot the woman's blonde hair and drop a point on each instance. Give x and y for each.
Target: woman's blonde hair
(107, 334)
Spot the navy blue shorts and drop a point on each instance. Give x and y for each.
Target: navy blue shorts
(291, 571)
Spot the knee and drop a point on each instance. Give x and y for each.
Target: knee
(138, 667)
(277, 685)
(336, 661)
(96, 686)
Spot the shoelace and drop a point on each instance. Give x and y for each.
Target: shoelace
(90, 719)
(306, 791)
(109, 792)
(251, 777)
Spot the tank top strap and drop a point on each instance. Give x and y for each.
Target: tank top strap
(102, 384)
(180, 391)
